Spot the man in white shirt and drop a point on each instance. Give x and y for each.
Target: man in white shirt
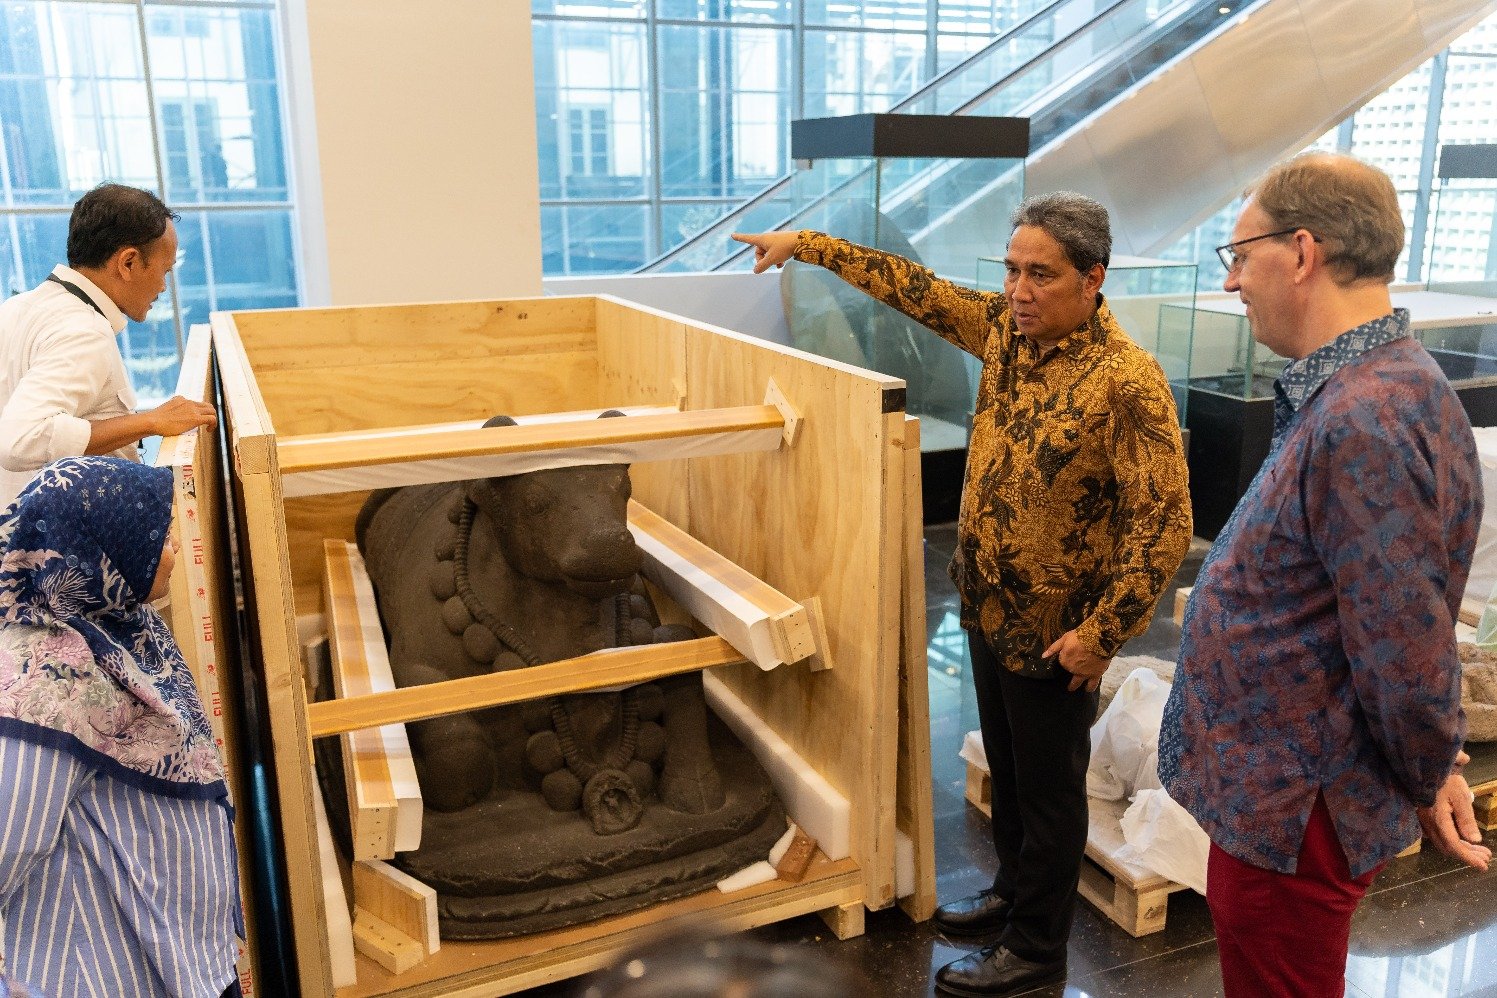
(63, 386)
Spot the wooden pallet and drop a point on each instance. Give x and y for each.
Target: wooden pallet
(1131, 896)
(1128, 894)
(1481, 773)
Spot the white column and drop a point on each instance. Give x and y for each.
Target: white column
(413, 130)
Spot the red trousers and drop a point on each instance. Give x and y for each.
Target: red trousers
(1282, 934)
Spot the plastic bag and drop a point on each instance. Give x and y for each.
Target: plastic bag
(1162, 837)
(974, 751)
(1125, 742)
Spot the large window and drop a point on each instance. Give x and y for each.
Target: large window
(1448, 100)
(655, 117)
(182, 99)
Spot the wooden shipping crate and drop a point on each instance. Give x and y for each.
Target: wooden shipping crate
(315, 402)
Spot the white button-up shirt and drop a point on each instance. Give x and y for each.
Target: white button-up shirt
(60, 370)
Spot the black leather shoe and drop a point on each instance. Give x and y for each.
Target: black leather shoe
(993, 972)
(982, 914)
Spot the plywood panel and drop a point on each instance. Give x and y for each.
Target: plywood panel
(821, 518)
(269, 615)
(642, 361)
(320, 339)
(309, 521)
(913, 802)
(375, 394)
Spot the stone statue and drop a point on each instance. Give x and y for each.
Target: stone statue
(565, 809)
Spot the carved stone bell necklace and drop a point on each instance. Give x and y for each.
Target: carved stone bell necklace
(609, 795)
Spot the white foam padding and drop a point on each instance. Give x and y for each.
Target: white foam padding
(904, 865)
(812, 802)
(750, 876)
(339, 923)
(783, 846)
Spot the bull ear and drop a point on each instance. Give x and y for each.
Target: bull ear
(499, 421)
(611, 413)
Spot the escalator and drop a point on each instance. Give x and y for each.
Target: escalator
(1161, 109)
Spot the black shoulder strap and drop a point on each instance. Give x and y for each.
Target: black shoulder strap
(78, 293)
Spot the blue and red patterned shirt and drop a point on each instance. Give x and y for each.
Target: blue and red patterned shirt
(1318, 653)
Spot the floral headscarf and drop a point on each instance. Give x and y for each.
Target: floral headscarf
(86, 665)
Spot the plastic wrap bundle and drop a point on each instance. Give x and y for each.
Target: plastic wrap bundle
(1158, 834)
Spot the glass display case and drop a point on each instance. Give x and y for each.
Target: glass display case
(1154, 300)
(943, 211)
(1463, 238)
(1462, 243)
(1232, 375)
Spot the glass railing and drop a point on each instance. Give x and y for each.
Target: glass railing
(1463, 239)
(1056, 68)
(795, 193)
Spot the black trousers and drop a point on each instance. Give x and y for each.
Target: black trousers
(1038, 739)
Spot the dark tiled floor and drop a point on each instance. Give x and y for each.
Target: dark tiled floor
(1428, 927)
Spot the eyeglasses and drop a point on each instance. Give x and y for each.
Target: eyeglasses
(1232, 260)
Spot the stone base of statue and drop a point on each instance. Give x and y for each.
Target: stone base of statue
(510, 864)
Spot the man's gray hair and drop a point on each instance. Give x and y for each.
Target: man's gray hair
(1075, 221)
(1348, 204)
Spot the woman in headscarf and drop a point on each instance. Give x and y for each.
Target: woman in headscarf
(117, 865)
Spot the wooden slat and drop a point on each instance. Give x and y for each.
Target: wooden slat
(401, 393)
(322, 452)
(381, 942)
(348, 462)
(399, 900)
(612, 667)
(570, 416)
(883, 771)
(384, 799)
(913, 800)
(768, 627)
(845, 920)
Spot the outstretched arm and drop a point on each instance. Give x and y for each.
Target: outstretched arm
(955, 313)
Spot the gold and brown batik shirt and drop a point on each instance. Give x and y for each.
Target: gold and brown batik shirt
(1075, 513)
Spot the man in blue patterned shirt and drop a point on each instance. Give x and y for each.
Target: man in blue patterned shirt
(1316, 704)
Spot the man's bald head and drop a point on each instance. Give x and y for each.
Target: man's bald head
(1347, 203)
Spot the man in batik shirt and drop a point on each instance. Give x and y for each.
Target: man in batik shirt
(1316, 705)
(1075, 516)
